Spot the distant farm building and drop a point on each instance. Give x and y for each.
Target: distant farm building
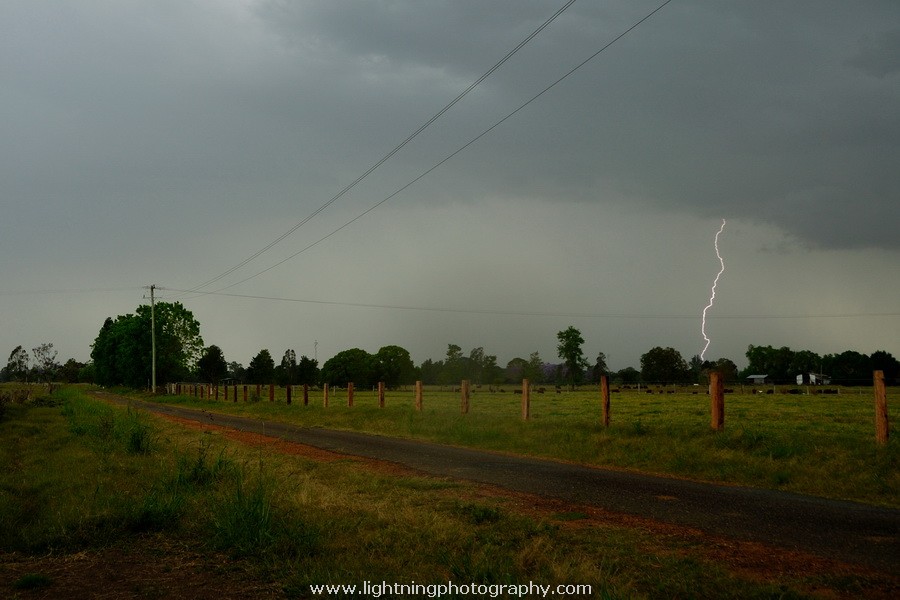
(758, 379)
(813, 379)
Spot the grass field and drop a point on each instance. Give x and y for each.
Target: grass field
(815, 444)
(168, 507)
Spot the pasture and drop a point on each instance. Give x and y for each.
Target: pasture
(91, 489)
(818, 444)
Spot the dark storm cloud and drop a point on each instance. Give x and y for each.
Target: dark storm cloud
(783, 113)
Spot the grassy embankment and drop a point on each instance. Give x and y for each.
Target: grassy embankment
(822, 445)
(81, 476)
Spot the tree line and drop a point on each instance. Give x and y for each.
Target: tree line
(121, 355)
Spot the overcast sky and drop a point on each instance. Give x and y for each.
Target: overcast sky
(167, 142)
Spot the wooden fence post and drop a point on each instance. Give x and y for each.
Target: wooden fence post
(235, 393)
(464, 397)
(271, 392)
(604, 398)
(526, 400)
(349, 393)
(216, 389)
(717, 400)
(288, 391)
(245, 393)
(419, 395)
(325, 395)
(226, 392)
(881, 413)
(305, 394)
(380, 394)
(259, 390)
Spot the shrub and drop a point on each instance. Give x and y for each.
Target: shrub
(202, 472)
(243, 522)
(247, 521)
(138, 434)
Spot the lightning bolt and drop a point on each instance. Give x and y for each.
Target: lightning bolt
(712, 296)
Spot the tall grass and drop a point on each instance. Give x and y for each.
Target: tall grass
(114, 487)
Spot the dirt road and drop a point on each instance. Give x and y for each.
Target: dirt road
(844, 531)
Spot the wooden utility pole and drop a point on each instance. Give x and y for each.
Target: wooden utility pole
(152, 340)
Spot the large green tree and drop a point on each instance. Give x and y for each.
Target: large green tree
(17, 365)
(307, 370)
(262, 368)
(455, 366)
(70, 372)
(394, 366)
(569, 349)
(728, 369)
(629, 376)
(286, 372)
(848, 368)
(45, 365)
(430, 372)
(212, 366)
(885, 362)
(600, 367)
(122, 350)
(664, 365)
(354, 365)
(770, 361)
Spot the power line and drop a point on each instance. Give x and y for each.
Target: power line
(536, 313)
(69, 291)
(396, 149)
(448, 157)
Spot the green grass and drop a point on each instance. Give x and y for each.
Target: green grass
(813, 444)
(73, 482)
